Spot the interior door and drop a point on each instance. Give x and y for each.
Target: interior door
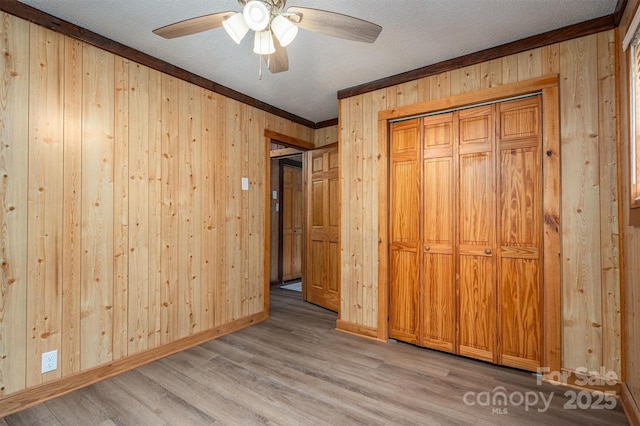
(291, 222)
(323, 217)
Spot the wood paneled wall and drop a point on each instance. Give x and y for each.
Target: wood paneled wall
(325, 136)
(591, 308)
(631, 233)
(123, 226)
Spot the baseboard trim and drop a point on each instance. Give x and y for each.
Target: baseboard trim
(358, 330)
(35, 395)
(630, 406)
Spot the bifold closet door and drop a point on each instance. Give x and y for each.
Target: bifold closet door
(520, 234)
(437, 288)
(404, 230)
(476, 233)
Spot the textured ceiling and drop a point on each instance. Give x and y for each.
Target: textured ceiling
(415, 33)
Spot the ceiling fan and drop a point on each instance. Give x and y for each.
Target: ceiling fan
(268, 18)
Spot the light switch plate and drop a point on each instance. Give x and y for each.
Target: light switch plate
(274, 195)
(245, 184)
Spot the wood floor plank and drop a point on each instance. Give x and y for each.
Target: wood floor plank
(297, 369)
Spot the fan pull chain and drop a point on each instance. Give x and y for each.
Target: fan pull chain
(260, 67)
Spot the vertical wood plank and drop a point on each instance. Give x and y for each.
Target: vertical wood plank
(510, 69)
(551, 59)
(139, 222)
(14, 157)
(121, 207)
(209, 246)
(344, 176)
(220, 294)
(355, 249)
(44, 235)
(233, 202)
(97, 207)
(465, 80)
(244, 209)
(529, 64)
(189, 209)
(424, 89)
(490, 74)
(440, 85)
(69, 357)
(258, 192)
(580, 205)
(609, 226)
(155, 205)
(169, 228)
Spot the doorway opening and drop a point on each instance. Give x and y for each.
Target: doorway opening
(285, 212)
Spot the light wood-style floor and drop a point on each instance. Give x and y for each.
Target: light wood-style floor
(295, 369)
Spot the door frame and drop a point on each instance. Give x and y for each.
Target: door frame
(281, 139)
(551, 293)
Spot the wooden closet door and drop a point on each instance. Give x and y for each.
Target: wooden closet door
(476, 233)
(520, 233)
(437, 287)
(404, 230)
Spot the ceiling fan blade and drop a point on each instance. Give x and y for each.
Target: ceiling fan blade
(336, 24)
(192, 26)
(278, 61)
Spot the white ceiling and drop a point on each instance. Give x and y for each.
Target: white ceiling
(415, 33)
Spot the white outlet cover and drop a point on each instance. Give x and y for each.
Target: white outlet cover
(245, 184)
(275, 195)
(49, 361)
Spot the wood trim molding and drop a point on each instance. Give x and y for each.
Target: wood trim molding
(555, 36)
(286, 140)
(619, 11)
(551, 241)
(630, 405)
(37, 394)
(327, 123)
(43, 19)
(485, 95)
(383, 229)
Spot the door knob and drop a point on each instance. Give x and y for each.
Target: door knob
(487, 251)
(427, 248)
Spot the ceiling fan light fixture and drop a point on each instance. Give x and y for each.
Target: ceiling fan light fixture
(236, 27)
(284, 30)
(263, 43)
(256, 15)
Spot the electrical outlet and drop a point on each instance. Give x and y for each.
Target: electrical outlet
(49, 361)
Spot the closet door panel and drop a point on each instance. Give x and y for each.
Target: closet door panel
(437, 289)
(476, 235)
(404, 220)
(520, 234)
